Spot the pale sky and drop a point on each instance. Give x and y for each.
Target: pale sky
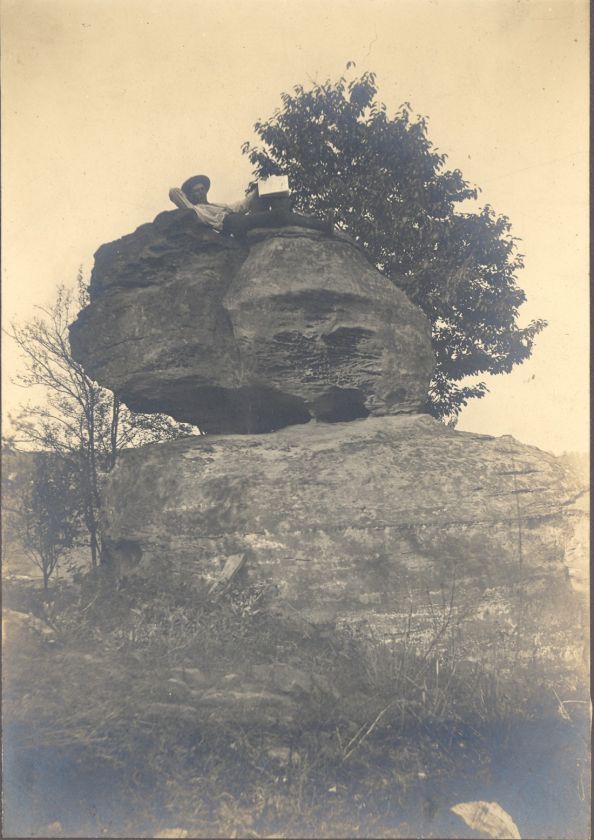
(108, 103)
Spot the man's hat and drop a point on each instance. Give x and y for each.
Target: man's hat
(196, 179)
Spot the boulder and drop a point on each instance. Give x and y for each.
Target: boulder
(399, 526)
(488, 818)
(250, 336)
(313, 318)
(156, 332)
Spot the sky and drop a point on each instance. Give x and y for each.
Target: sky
(108, 103)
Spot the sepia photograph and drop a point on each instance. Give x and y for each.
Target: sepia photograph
(295, 419)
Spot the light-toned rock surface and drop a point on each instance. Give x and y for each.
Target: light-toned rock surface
(313, 318)
(489, 819)
(21, 628)
(250, 337)
(156, 331)
(390, 527)
(396, 524)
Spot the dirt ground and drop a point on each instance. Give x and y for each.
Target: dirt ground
(86, 754)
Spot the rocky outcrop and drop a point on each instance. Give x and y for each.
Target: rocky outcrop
(397, 525)
(156, 332)
(390, 527)
(250, 337)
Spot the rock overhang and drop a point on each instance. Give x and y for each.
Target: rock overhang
(250, 336)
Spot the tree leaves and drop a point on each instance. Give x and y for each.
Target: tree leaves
(49, 508)
(389, 188)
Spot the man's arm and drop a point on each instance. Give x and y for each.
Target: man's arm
(180, 199)
(245, 205)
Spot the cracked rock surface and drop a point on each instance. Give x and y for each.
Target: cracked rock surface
(397, 524)
(250, 337)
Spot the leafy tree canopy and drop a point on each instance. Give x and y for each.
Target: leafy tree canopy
(390, 189)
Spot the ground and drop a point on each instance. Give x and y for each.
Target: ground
(101, 739)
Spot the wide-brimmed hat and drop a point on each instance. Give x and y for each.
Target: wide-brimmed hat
(196, 179)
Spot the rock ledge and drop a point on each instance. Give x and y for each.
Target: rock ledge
(250, 337)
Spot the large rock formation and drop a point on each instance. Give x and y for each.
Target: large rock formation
(392, 523)
(250, 339)
(388, 522)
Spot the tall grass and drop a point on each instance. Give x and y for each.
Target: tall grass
(405, 708)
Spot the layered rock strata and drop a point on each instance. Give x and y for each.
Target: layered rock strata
(391, 526)
(250, 337)
(399, 525)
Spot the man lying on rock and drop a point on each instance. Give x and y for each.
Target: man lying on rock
(236, 219)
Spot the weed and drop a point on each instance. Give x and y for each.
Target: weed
(342, 768)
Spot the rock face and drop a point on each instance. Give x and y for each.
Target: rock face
(391, 527)
(250, 337)
(396, 524)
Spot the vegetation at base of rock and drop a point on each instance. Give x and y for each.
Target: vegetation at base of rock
(48, 514)
(389, 188)
(95, 697)
(82, 426)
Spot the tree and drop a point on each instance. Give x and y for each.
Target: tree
(14, 475)
(389, 188)
(49, 507)
(75, 418)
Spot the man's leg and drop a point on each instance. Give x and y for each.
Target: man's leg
(238, 224)
(235, 224)
(325, 225)
(284, 218)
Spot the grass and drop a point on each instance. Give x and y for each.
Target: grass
(348, 767)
